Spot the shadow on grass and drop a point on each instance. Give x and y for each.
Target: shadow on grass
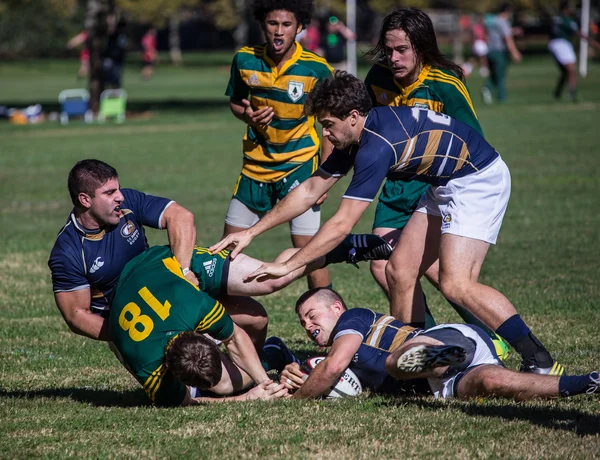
(162, 105)
(554, 418)
(100, 398)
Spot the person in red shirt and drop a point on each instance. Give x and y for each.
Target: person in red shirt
(84, 55)
(150, 55)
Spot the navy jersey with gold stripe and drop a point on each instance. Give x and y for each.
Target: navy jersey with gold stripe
(94, 259)
(272, 152)
(409, 144)
(381, 334)
(435, 89)
(153, 303)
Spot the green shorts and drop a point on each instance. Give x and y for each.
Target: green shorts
(397, 201)
(260, 197)
(212, 270)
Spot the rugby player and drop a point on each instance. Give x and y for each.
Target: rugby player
(411, 71)
(103, 232)
(456, 221)
(267, 89)
(157, 324)
(458, 360)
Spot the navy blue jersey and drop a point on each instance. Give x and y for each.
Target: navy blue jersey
(381, 334)
(409, 143)
(94, 259)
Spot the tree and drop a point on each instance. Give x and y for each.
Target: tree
(96, 24)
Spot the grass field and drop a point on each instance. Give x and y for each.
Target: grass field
(63, 395)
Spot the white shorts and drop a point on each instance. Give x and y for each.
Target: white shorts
(563, 51)
(484, 354)
(472, 206)
(240, 215)
(480, 48)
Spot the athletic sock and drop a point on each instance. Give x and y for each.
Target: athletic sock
(515, 331)
(571, 385)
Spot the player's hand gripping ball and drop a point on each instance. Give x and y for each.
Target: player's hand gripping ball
(347, 386)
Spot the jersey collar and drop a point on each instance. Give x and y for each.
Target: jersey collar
(93, 234)
(418, 82)
(290, 62)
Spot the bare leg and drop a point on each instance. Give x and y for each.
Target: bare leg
(416, 250)
(572, 77)
(248, 314)
(243, 265)
(317, 278)
(492, 380)
(460, 263)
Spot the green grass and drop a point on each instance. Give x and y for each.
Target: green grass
(63, 395)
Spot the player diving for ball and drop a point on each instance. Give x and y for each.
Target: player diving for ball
(458, 360)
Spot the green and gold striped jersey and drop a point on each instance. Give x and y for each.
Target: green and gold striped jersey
(153, 303)
(290, 139)
(435, 89)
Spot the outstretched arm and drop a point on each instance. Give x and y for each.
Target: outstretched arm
(264, 391)
(295, 203)
(328, 371)
(329, 236)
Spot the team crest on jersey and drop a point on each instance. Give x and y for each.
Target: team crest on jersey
(295, 90)
(128, 229)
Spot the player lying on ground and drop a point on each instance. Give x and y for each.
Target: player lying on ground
(157, 324)
(457, 360)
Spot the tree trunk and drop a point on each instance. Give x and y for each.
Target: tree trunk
(97, 28)
(457, 41)
(174, 45)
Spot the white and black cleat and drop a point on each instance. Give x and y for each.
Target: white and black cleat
(425, 357)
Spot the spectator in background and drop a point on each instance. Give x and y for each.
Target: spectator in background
(500, 43)
(310, 38)
(84, 55)
(336, 35)
(150, 56)
(480, 46)
(564, 28)
(113, 57)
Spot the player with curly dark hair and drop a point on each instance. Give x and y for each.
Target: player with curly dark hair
(301, 9)
(268, 86)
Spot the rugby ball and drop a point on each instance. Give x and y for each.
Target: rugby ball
(347, 386)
